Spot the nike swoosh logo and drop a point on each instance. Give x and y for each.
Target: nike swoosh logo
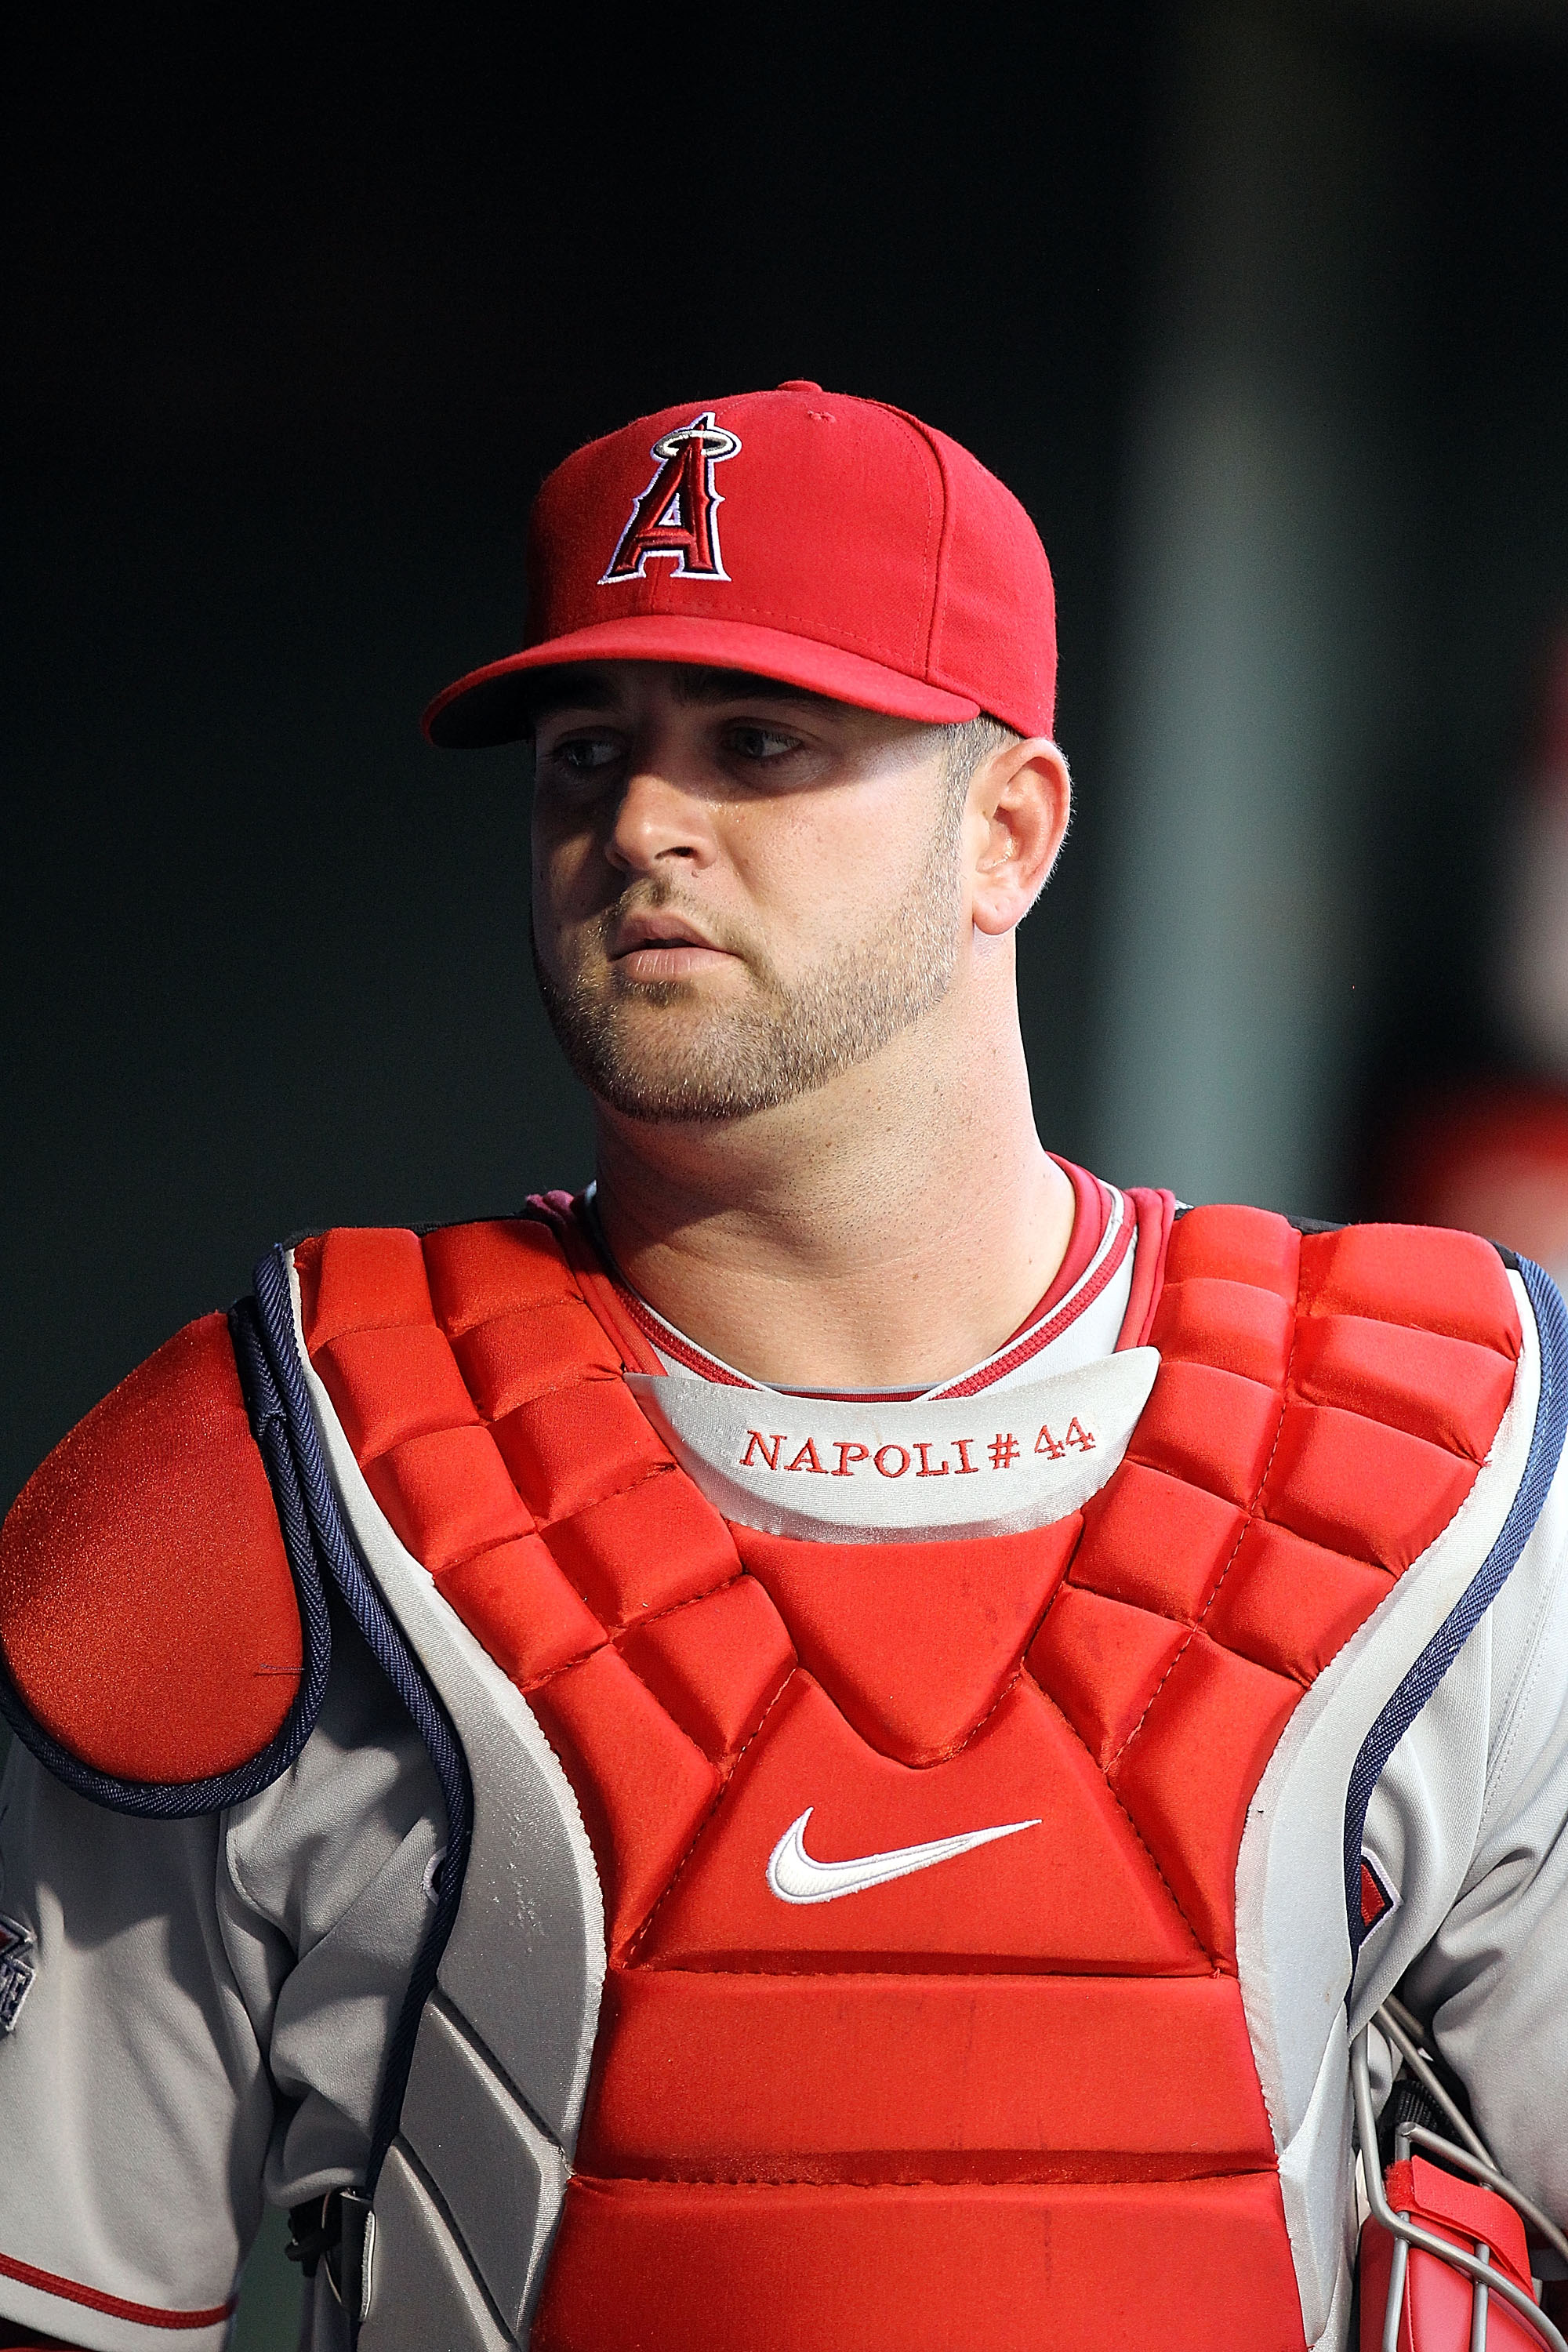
(796, 1877)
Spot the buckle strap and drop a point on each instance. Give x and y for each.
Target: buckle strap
(338, 2232)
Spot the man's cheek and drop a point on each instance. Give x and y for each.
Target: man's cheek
(562, 936)
(565, 891)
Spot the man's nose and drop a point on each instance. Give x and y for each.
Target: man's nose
(658, 822)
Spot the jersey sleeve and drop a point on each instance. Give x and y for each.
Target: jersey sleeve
(1494, 1978)
(1468, 1827)
(206, 2020)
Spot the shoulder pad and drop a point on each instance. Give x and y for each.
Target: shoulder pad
(1423, 1278)
(151, 1648)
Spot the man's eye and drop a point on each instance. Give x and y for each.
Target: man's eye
(584, 754)
(762, 743)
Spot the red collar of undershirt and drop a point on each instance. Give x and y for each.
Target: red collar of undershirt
(1092, 1204)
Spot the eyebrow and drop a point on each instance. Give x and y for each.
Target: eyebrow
(585, 690)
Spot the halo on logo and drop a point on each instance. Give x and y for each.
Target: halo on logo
(714, 440)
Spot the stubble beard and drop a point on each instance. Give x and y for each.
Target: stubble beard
(785, 1039)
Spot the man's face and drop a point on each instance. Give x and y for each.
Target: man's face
(740, 889)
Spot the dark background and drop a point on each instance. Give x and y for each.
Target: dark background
(295, 331)
(294, 344)
(294, 335)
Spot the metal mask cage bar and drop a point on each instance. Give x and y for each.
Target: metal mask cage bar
(1474, 2158)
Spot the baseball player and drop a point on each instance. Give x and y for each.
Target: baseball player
(835, 1741)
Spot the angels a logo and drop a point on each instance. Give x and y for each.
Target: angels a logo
(677, 517)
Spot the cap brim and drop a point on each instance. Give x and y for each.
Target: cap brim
(490, 705)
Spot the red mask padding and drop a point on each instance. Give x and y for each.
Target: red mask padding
(1439, 2301)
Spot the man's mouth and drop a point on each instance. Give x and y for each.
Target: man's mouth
(657, 946)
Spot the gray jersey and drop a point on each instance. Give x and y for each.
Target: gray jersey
(206, 2022)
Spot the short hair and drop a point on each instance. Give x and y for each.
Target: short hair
(970, 743)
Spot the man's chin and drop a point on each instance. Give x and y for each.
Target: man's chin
(692, 1063)
(697, 1086)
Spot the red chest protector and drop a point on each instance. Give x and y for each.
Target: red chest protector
(1005, 2102)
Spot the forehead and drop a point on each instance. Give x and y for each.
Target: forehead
(612, 686)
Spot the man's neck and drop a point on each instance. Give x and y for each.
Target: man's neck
(891, 1229)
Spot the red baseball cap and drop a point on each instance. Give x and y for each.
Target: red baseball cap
(833, 543)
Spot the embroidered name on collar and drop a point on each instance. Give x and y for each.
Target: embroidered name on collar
(937, 1468)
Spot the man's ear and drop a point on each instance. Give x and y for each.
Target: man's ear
(1020, 803)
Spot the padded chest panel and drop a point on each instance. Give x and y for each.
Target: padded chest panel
(911, 1641)
(1322, 1409)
